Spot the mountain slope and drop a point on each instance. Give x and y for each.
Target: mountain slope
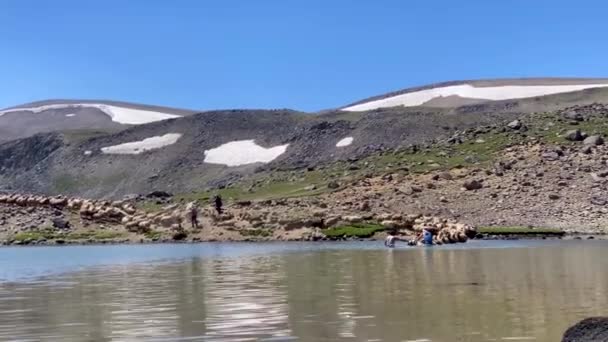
(60, 115)
(217, 149)
(458, 93)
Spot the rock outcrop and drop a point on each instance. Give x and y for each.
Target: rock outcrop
(593, 329)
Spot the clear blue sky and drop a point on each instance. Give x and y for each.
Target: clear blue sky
(308, 55)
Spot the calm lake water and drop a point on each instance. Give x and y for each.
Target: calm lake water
(479, 291)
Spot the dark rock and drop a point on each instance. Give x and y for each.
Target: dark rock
(574, 135)
(602, 173)
(594, 140)
(61, 223)
(159, 194)
(553, 197)
(179, 235)
(333, 185)
(587, 149)
(594, 329)
(244, 203)
(472, 185)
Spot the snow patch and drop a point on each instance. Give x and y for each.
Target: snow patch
(70, 115)
(496, 93)
(243, 152)
(345, 142)
(123, 115)
(88, 153)
(137, 147)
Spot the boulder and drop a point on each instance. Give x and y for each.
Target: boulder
(554, 197)
(61, 223)
(353, 218)
(472, 185)
(594, 140)
(574, 135)
(516, 124)
(550, 156)
(587, 149)
(594, 329)
(332, 221)
(333, 185)
(573, 116)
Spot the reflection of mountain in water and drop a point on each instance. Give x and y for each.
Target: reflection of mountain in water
(327, 295)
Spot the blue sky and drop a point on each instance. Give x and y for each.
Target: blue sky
(306, 55)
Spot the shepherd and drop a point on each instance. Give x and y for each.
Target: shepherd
(193, 211)
(218, 204)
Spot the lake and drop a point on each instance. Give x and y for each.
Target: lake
(361, 291)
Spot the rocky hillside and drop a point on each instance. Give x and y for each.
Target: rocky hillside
(265, 153)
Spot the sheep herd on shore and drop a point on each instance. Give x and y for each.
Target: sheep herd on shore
(176, 216)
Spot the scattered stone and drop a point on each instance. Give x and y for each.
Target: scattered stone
(587, 149)
(472, 185)
(333, 185)
(594, 140)
(471, 159)
(364, 206)
(574, 116)
(554, 197)
(574, 135)
(61, 223)
(550, 156)
(516, 124)
(598, 201)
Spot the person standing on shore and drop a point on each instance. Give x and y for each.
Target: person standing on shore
(218, 204)
(193, 212)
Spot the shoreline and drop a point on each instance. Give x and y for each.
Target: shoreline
(496, 237)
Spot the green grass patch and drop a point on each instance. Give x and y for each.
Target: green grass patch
(149, 206)
(79, 135)
(34, 235)
(93, 235)
(152, 235)
(357, 230)
(497, 230)
(273, 186)
(50, 234)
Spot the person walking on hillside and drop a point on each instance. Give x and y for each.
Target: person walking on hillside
(193, 212)
(218, 204)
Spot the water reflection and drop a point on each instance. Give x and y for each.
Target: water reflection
(319, 294)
